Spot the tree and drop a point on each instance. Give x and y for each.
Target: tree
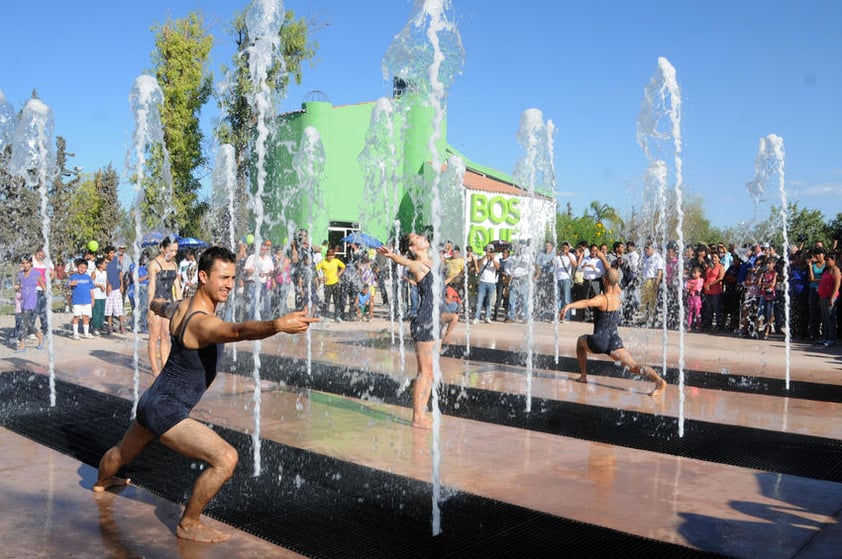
(20, 228)
(834, 231)
(236, 127)
(803, 226)
(584, 228)
(64, 185)
(180, 60)
(605, 214)
(93, 210)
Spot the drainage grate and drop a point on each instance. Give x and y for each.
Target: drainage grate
(316, 505)
(813, 457)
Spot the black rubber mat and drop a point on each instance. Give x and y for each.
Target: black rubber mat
(749, 447)
(313, 504)
(732, 381)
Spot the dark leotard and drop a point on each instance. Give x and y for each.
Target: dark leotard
(164, 282)
(421, 326)
(182, 382)
(605, 338)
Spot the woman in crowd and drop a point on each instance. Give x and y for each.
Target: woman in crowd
(828, 293)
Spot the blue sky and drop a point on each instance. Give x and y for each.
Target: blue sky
(746, 69)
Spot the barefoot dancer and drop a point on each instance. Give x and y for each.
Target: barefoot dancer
(197, 335)
(421, 326)
(605, 339)
(163, 284)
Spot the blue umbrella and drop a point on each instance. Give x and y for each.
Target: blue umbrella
(190, 242)
(152, 238)
(360, 238)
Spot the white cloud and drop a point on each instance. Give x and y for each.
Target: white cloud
(821, 190)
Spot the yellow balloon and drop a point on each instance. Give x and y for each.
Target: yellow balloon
(93, 246)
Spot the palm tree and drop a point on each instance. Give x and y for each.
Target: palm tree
(603, 212)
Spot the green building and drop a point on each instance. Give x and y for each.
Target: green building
(333, 170)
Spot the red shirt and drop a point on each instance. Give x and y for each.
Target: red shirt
(711, 273)
(826, 284)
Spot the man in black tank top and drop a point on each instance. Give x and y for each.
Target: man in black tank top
(605, 338)
(162, 413)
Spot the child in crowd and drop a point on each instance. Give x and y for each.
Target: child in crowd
(99, 278)
(768, 283)
(18, 315)
(693, 289)
(365, 309)
(81, 297)
(27, 283)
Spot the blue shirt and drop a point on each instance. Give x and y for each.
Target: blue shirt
(113, 273)
(81, 292)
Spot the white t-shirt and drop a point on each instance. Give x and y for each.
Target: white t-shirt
(563, 267)
(262, 265)
(487, 271)
(651, 265)
(43, 267)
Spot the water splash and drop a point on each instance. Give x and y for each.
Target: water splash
(8, 122)
(533, 171)
(768, 165)
(310, 167)
(145, 100)
(381, 163)
(34, 159)
(264, 19)
(224, 193)
(427, 54)
(659, 135)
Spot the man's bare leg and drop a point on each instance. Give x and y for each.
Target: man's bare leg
(423, 385)
(195, 440)
(133, 442)
(582, 358)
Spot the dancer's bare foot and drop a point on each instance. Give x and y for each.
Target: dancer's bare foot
(660, 386)
(423, 422)
(200, 532)
(114, 481)
(583, 378)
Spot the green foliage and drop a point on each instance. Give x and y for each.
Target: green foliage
(20, 228)
(180, 59)
(62, 189)
(585, 228)
(802, 223)
(237, 125)
(92, 210)
(834, 230)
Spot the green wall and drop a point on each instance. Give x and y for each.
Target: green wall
(343, 132)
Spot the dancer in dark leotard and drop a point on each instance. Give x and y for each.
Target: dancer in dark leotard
(164, 409)
(182, 382)
(422, 327)
(605, 339)
(163, 284)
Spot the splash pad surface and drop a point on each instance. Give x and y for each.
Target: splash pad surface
(338, 449)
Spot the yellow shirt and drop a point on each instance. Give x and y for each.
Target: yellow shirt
(330, 269)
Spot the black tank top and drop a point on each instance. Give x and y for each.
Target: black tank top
(164, 283)
(189, 371)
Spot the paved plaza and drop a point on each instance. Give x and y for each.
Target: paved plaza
(740, 461)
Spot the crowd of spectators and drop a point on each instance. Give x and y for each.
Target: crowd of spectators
(720, 288)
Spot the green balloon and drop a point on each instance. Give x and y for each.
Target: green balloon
(93, 246)
(249, 239)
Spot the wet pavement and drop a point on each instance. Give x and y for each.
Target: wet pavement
(696, 503)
